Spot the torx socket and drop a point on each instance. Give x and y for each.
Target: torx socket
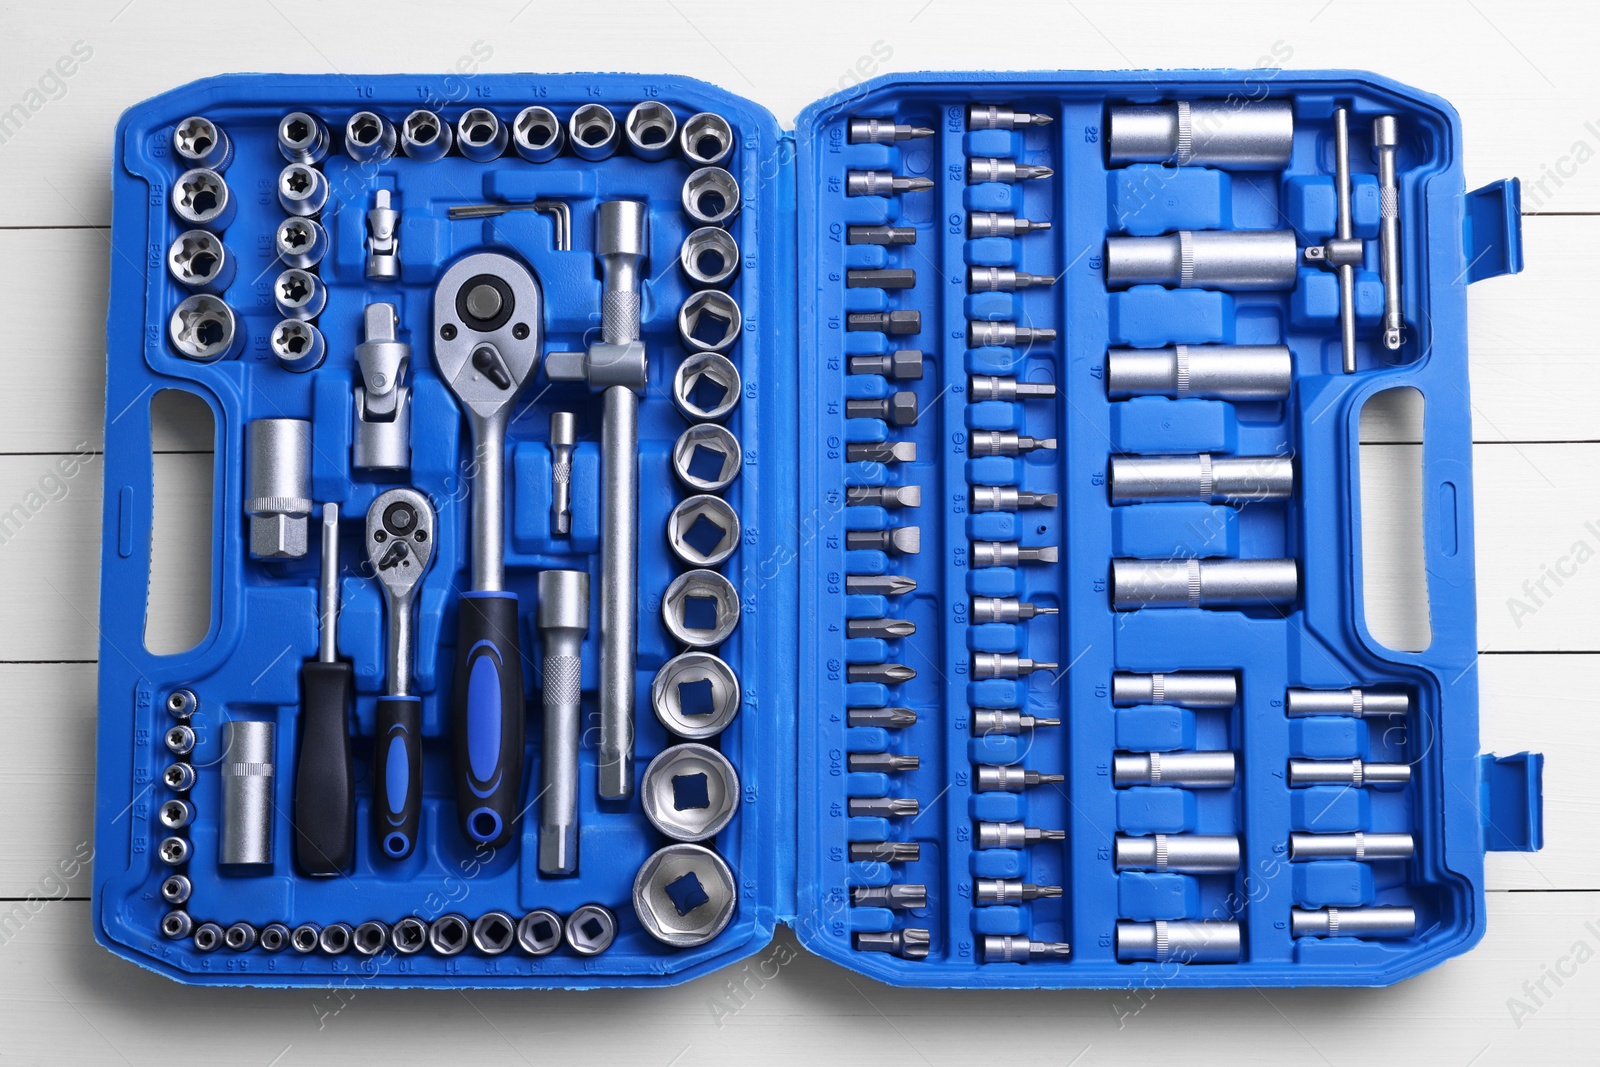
(1012, 779)
(884, 131)
(1185, 941)
(1004, 279)
(893, 323)
(1006, 948)
(1356, 846)
(1006, 665)
(884, 718)
(883, 629)
(990, 387)
(882, 183)
(899, 897)
(997, 224)
(881, 452)
(1003, 170)
(1204, 478)
(1354, 773)
(180, 740)
(302, 190)
(1008, 498)
(897, 540)
(1180, 853)
(1208, 583)
(277, 492)
(904, 365)
(1213, 372)
(249, 770)
(1014, 835)
(884, 807)
(882, 673)
(982, 333)
(1185, 770)
(1006, 443)
(1006, 609)
(881, 235)
(986, 721)
(199, 142)
(1357, 703)
(880, 584)
(200, 262)
(1370, 923)
(885, 852)
(1234, 260)
(991, 892)
(881, 278)
(1001, 117)
(1009, 554)
(907, 944)
(883, 496)
(897, 409)
(1228, 134)
(886, 762)
(1185, 689)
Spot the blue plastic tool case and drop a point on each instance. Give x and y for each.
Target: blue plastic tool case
(789, 843)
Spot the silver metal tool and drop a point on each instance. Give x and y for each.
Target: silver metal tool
(690, 792)
(199, 262)
(305, 938)
(590, 929)
(449, 934)
(175, 814)
(904, 365)
(983, 333)
(909, 944)
(303, 138)
(707, 458)
(990, 892)
(370, 937)
(369, 137)
(1005, 948)
(884, 807)
(382, 399)
(1007, 498)
(881, 235)
(884, 629)
(1203, 583)
(204, 329)
(1182, 853)
(559, 213)
(1358, 703)
(882, 183)
(695, 695)
(882, 762)
(299, 294)
(408, 935)
(684, 895)
(989, 387)
(425, 137)
(710, 196)
(563, 620)
(1345, 251)
(1204, 478)
(1013, 779)
(883, 718)
(880, 584)
(1229, 134)
(903, 897)
(996, 224)
(176, 925)
(699, 609)
(1234, 260)
(298, 346)
(1006, 443)
(335, 938)
(1004, 279)
(706, 140)
(883, 496)
(249, 773)
(1014, 835)
(493, 932)
(274, 937)
(881, 452)
(886, 278)
(207, 937)
(277, 490)
(180, 740)
(1006, 609)
(240, 936)
(592, 129)
(1353, 773)
(1006, 665)
(880, 673)
(1186, 689)
(1185, 941)
(1186, 770)
(301, 242)
(199, 142)
(1368, 923)
(1385, 146)
(706, 387)
(539, 932)
(885, 851)
(896, 541)
(182, 704)
(537, 134)
(1004, 170)
(897, 409)
(480, 135)
(987, 721)
(1356, 846)
(175, 889)
(1216, 372)
(178, 777)
(1002, 117)
(703, 530)
(302, 190)
(563, 439)
(896, 323)
(1009, 554)
(651, 130)
(202, 200)
(709, 257)
(884, 131)
(383, 238)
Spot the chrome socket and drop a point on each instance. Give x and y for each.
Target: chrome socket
(204, 329)
(494, 932)
(302, 190)
(663, 903)
(592, 130)
(449, 935)
(199, 142)
(709, 257)
(539, 932)
(175, 814)
(1357, 703)
(303, 138)
(709, 321)
(301, 242)
(1185, 770)
(1207, 583)
(178, 777)
(198, 261)
(299, 294)
(408, 936)
(370, 938)
(537, 134)
(695, 695)
(706, 140)
(1179, 853)
(1186, 689)
(1204, 478)
(274, 937)
(480, 135)
(703, 530)
(207, 937)
(706, 387)
(690, 792)
(700, 609)
(241, 937)
(1213, 372)
(1351, 773)
(176, 925)
(369, 137)
(590, 929)
(710, 196)
(277, 491)
(651, 130)
(180, 740)
(1368, 923)
(175, 889)
(1187, 941)
(425, 137)
(1228, 134)
(298, 346)
(1363, 847)
(248, 774)
(1233, 260)
(201, 199)
(335, 938)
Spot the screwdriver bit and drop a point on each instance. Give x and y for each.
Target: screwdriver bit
(881, 278)
(881, 584)
(1008, 949)
(982, 334)
(989, 891)
(885, 673)
(1006, 443)
(898, 409)
(1000, 170)
(902, 366)
(1006, 609)
(893, 323)
(996, 721)
(1003, 279)
(1014, 835)
(1008, 498)
(989, 387)
(1006, 665)
(882, 628)
(881, 235)
(897, 540)
(885, 852)
(887, 718)
(899, 897)
(1009, 554)
(883, 183)
(907, 944)
(881, 452)
(883, 496)
(1013, 779)
(885, 807)
(1000, 117)
(882, 131)
(997, 224)
(887, 762)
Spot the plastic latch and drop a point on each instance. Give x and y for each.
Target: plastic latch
(1491, 230)
(1511, 801)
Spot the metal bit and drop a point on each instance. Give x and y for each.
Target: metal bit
(883, 131)
(881, 628)
(1013, 779)
(897, 541)
(880, 584)
(1009, 554)
(898, 897)
(886, 762)
(883, 673)
(881, 183)
(997, 224)
(563, 438)
(994, 891)
(983, 334)
(1008, 949)
(1006, 609)
(907, 944)
(885, 852)
(1006, 665)
(885, 807)
(881, 278)
(904, 365)
(989, 387)
(881, 452)
(1014, 835)
(1006, 443)
(1000, 117)
(987, 721)
(1385, 143)
(893, 323)
(897, 409)
(881, 235)
(883, 496)
(1008, 498)
(1345, 251)
(884, 718)
(1004, 279)
(1003, 170)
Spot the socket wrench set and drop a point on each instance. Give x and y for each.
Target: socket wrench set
(1033, 654)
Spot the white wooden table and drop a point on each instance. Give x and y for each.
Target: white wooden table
(1524, 78)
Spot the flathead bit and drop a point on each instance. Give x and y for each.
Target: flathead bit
(881, 278)
(884, 807)
(882, 183)
(993, 891)
(1007, 949)
(883, 496)
(1006, 609)
(904, 365)
(1006, 443)
(899, 897)
(986, 721)
(881, 452)
(883, 762)
(1004, 279)
(897, 409)
(1013, 779)
(1002, 170)
(996, 224)
(907, 944)
(883, 131)
(885, 852)
(1000, 117)
(1009, 554)
(881, 235)
(989, 387)
(884, 673)
(884, 718)
(1008, 498)
(882, 628)
(893, 323)
(880, 584)
(897, 540)
(1014, 835)
(1006, 665)
(982, 334)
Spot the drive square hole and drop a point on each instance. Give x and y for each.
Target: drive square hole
(704, 535)
(709, 327)
(706, 464)
(543, 931)
(594, 929)
(687, 893)
(708, 393)
(696, 698)
(691, 791)
(700, 612)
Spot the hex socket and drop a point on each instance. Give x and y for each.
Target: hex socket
(425, 137)
(1216, 372)
(651, 130)
(249, 771)
(1229, 134)
(537, 134)
(1204, 478)
(1186, 689)
(1238, 260)
(1180, 853)
(1186, 770)
(277, 493)
(1357, 703)
(1209, 583)
(480, 135)
(1373, 923)
(1353, 773)
(1356, 846)
(592, 129)
(1190, 941)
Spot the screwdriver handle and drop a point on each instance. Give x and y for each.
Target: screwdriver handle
(324, 784)
(487, 719)
(397, 760)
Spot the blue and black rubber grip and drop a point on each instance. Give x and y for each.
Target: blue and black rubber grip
(397, 760)
(487, 717)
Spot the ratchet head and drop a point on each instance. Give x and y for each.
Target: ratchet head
(400, 537)
(488, 329)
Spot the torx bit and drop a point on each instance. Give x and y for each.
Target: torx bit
(1009, 554)
(898, 897)
(1006, 443)
(884, 673)
(1006, 609)
(1000, 117)
(884, 131)
(897, 540)
(1006, 665)
(882, 183)
(882, 628)
(998, 224)
(881, 235)
(881, 452)
(886, 762)
(989, 387)
(1013, 779)
(987, 721)
(880, 584)
(897, 409)
(907, 944)
(1008, 498)
(992, 891)
(885, 718)
(881, 278)
(998, 948)
(904, 365)
(885, 807)
(885, 852)
(883, 496)
(1003, 279)
(563, 438)
(1014, 835)
(893, 323)
(1002, 170)
(983, 334)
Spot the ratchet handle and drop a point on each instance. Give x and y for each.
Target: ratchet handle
(397, 759)
(324, 785)
(487, 720)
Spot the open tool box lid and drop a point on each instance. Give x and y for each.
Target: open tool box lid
(788, 844)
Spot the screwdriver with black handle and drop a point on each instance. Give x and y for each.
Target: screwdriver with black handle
(324, 783)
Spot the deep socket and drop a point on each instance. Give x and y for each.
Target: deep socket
(249, 769)
(1204, 478)
(1356, 846)
(1357, 703)
(1208, 583)
(1354, 773)
(1228, 134)
(1187, 941)
(1234, 260)
(1373, 923)
(1213, 372)
(1186, 770)
(1181, 853)
(1185, 689)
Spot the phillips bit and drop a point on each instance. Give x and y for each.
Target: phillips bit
(883, 496)
(1009, 554)
(899, 897)
(987, 721)
(885, 852)
(897, 541)
(563, 438)
(882, 183)
(881, 584)
(1006, 443)
(1008, 949)
(883, 628)
(897, 409)
(1006, 665)
(989, 387)
(1003, 279)
(887, 762)
(1000, 117)
(881, 235)
(881, 278)
(885, 807)
(1002, 170)
(881, 452)
(907, 944)
(1013, 779)
(882, 131)
(1014, 835)
(1008, 498)
(884, 673)
(893, 323)
(887, 718)
(902, 366)
(991, 891)
(996, 224)
(1006, 609)
(983, 334)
